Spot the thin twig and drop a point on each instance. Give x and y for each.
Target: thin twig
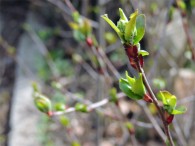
(166, 127)
(89, 107)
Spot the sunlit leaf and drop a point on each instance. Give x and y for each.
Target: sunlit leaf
(122, 15)
(130, 29)
(124, 86)
(143, 53)
(105, 17)
(138, 86)
(140, 27)
(179, 110)
(131, 80)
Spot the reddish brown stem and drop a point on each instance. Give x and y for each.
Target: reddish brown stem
(146, 83)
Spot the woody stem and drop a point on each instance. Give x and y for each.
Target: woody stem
(146, 83)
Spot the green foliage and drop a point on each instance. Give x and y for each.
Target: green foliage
(130, 32)
(140, 26)
(169, 103)
(132, 87)
(130, 28)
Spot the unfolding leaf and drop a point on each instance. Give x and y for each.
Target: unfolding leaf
(161, 97)
(122, 15)
(138, 86)
(130, 29)
(179, 110)
(105, 17)
(168, 98)
(143, 53)
(140, 27)
(131, 81)
(124, 86)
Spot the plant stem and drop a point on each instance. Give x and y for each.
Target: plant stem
(146, 83)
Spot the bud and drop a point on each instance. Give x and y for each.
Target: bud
(147, 98)
(130, 127)
(89, 41)
(168, 117)
(81, 107)
(42, 103)
(131, 51)
(60, 107)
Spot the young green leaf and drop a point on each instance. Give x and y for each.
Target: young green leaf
(179, 110)
(138, 86)
(169, 102)
(105, 17)
(130, 29)
(161, 97)
(125, 87)
(143, 53)
(131, 81)
(168, 98)
(140, 26)
(122, 15)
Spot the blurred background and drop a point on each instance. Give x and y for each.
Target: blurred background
(37, 43)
